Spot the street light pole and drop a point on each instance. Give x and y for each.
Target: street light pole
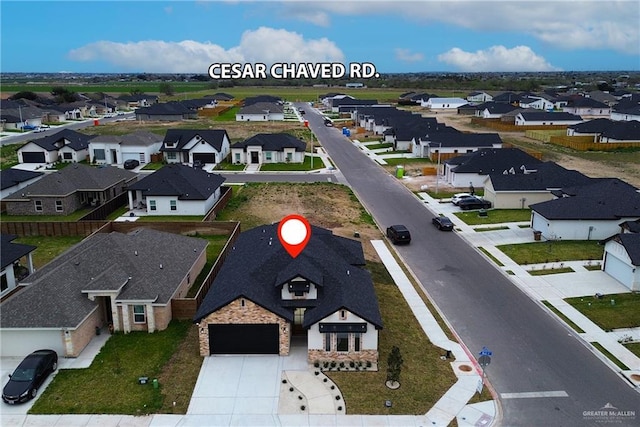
(438, 168)
(21, 122)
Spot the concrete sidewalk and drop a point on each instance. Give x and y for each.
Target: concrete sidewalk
(553, 288)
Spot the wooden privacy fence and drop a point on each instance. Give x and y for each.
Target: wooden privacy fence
(585, 143)
(51, 228)
(225, 196)
(498, 125)
(186, 308)
(105, 209)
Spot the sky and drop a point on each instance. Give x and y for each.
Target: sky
(394, 36)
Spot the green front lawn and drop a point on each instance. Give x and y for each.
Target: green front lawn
(284, 167)
(228, 166)
(553, 251)
(154, 218)
(153, 166)
(110, 385)
(75, 216)
(624, 312)
(425, 377)
(495, 216)
(9, 155)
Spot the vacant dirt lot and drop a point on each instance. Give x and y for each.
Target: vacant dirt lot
(326, 205)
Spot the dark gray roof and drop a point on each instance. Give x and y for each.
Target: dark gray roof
(273, 142)
(137, 97)
(554, 116)
(258, 265)
(421, 127)
(507, 97)
(172, 108)
(213, 137)
(632, 226)
(594, 126)
(495, 161)
(498, 107)
(179, 180)
(460, 139)
(624, 131)
(220, 96)
(137, 138)
(262, 98)
(11, 252)
(126, 263)
(12, 176)
(75, 177)
(601, 198)
(541, 177)
(583, 102)
(261, 108)
(64, 138)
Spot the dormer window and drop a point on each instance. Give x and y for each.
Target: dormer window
(243, 303)
(343, 314)
(299, 288)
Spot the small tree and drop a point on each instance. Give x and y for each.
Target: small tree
(167, 88)
(394, 365)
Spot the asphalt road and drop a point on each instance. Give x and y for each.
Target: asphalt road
(532, 351)
(19, 138)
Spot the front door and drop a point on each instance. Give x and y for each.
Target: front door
(254, 157)
(298, 318)
(114, 157)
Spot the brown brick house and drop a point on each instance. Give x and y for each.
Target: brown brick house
(65, 191)
(262, 298)
(124, 280)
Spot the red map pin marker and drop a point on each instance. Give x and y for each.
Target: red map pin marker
(294, 233)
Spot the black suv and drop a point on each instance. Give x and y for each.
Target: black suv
(398, 234)
(473, 203)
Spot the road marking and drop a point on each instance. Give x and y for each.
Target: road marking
(533, 394)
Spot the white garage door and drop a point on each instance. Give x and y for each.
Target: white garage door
(618, 269)
(20, 343)
(132, 156)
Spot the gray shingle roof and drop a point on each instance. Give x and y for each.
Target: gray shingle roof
(623, 131)
(55, 298)
(494, 161)
(547, 175)
(137, 138)
(12, 176)
(64, 138)
(602, 198)
(543, 115)
(179, 180)
(11, 252)
(460, 139)
(75, 177)
(213, 137)
(258, 263)
(273, 142)
(262, 108)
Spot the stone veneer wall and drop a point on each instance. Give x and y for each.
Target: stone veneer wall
(251, 313)
(316, 355)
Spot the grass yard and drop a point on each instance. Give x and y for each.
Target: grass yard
(623, 313)
(153, 166)
(495, 216)
(216, 243)
(610, 356)
(634, 348)
(494, 259)
(553, 251)
(9, 155)
(168, 218)
(75, 216)
(110, 385)
(545, 271)
(225, 165)
(284, 167)
(48, 247)
(424, 377)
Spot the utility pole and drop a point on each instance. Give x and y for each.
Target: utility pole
(438, 168)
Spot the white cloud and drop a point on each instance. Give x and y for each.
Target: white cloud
(496, 58)
(565, 24)
(405, 55)
(266, 45)
(168, 10)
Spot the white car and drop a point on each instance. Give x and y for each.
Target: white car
(39, 129)
(459, 196)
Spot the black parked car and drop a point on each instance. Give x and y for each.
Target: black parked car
(473, 203)
(398, 234)
(131, 164)
(29, 375)
(443, 223)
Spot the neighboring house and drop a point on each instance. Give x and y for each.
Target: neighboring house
(446, 144)
(607, 131)
(69, 189)
(14, 179)
(262, 298)
(621, 259)
(592, 211)
(66, 146)
(173, 111)
(16, 114)
(474, 168)
(537, 103)
(477, 97)
(540, 118)
(176, 189)
(124, 280)
(443, 103)
(11, 268)
(269, 148)
(116, 149)
(129, 102)
(582, 106)
(495, 110)
(220, 96)
(261, 112)
(206, 146)
(529, 184)
(625, 114)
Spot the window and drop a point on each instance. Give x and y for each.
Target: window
(98, 154)
(357, 341)
(67, 156)
(152, 205)
(342, 343)
(243, 303)
(38, 205)
(343, 314)
(139, 314)
(171, 156)
(237, 157)
(327, 342)
(59, 206)
(289, 157)
(173, 205)
(268, 155)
